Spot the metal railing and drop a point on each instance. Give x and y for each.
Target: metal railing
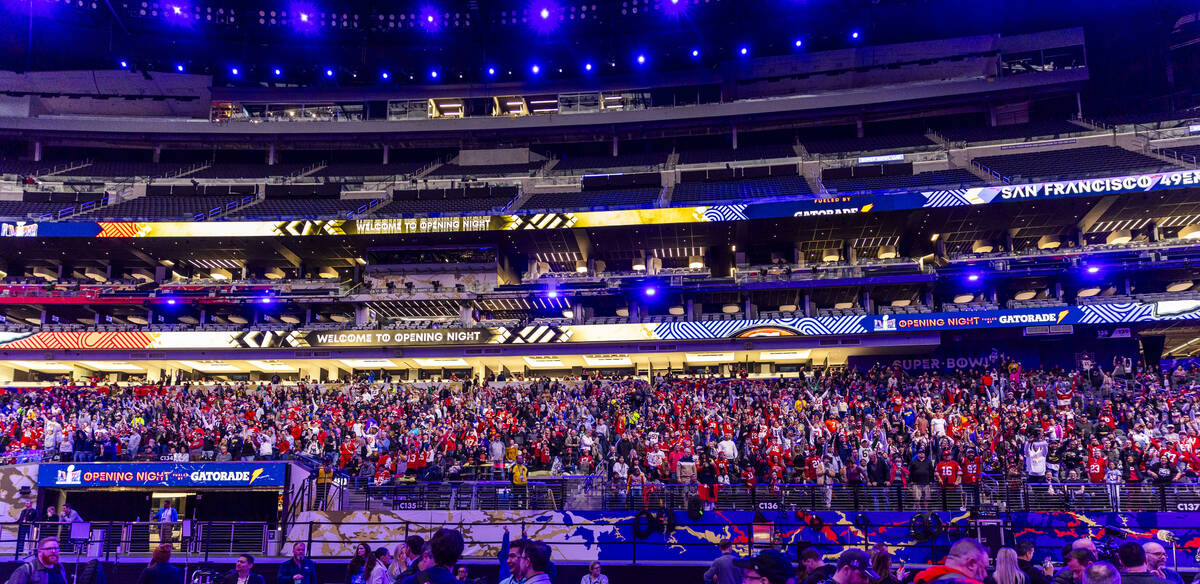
(139, 538)
(583, 493)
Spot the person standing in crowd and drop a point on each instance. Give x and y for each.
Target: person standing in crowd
(966, 563)
(815, 567)
(1133, 565)
(299, 569)
(1077, 560)
(69, 515)
(853, 567)
(166, 516)
(768, 567)
(722, 570)
(921, 475)
(1101, 573)
(413, 545)
(361, 565)
(520, 482)
(532, 563)
(1156, 563)
(444, 549)
(242, 574)
(382, 561)
(160, 570)
(595, 577)
(1008, 569)
(881, 563)
(25, 522)
(43, 567)
(1033, 574)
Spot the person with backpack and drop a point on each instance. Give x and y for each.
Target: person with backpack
(43, 567)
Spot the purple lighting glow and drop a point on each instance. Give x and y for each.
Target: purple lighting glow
(973, 277)
(1093, 269)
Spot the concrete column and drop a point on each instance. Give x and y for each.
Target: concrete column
(37, 151)
(311, 371)
(157, 153)
(362, 315)
(45, 317)
(271, 155)
(859, 127)
(734, 137)
(6, 374)
(387, 150)
(691, 309)
(614, 148)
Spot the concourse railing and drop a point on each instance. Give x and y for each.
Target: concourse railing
(1013, 494)
(116, 539)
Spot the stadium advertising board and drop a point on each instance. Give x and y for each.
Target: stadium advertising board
(1094, 314)
(387, 338)
(864, 202)
(163, 474)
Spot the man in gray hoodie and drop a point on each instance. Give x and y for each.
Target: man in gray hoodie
(722, 570)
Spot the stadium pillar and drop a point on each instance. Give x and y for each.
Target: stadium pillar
(734, 137)
(157, 153)
(7, 373)
(387, 150)
(311, 372)
(859, 126)
(37, 151)
(271, 155)
(362, 315)
(614, 148)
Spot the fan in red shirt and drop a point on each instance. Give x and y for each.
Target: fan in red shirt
(1096, 469)
(947, 472)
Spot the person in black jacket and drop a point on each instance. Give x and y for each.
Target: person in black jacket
(241, 572)
(160, 570)
(1033, 574)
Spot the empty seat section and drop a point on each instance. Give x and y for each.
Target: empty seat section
(1055, 164)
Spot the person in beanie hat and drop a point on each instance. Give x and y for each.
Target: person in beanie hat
(768, 567)
(853, 567)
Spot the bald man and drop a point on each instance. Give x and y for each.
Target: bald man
(1156, 562)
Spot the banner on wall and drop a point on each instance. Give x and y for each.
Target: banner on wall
(163, 474)
(1094, 314)
(868, 202)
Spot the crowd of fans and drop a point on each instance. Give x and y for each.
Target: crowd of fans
(884, 426)
(967, 562)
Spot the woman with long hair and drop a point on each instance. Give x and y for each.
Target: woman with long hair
(881, 562)
(160, 570)
(1007, 570)
(361, 565)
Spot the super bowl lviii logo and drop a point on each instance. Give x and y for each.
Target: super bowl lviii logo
(70, 476)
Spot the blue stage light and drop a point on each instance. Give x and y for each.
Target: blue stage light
(303, 17)
(429, 19)
(433, 74)
(973, 277)
(744, 51)
(329, 72)
(278, 72)
(651, 291)
(695, 52)
(552, 294)
(171, 302)
(124, 64)
(536, 69)
(491, 70)
(384, 75)
(179, 68)
(587, 67)
(799, 43)
(854, 35)
(234, 71)
(545, 13)
(641, 59)
(176, 10)
(1093, 269)
(268, 300)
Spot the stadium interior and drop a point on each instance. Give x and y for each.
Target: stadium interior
(628, 278)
